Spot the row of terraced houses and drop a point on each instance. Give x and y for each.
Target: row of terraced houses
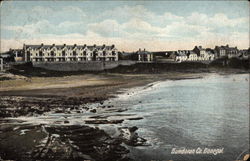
(69, 53)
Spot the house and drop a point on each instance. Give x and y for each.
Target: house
(226, 51)
(192, 56)
(211, 54)
(69, 53)
(7, 56)
(232, 52)
(201, 53)
(221, 51)
(144, 55)
(18, 54)
(181, 55)
(244, 54)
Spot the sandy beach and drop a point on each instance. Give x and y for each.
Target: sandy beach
(28, 105)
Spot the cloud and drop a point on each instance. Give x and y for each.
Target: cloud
(125, 25)
(126, 12)
(12, 16)
(218, 20)
(108, 28)
(44, 27)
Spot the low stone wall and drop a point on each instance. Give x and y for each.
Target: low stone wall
(81, 66)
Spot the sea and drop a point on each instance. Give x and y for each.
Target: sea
(204, 119)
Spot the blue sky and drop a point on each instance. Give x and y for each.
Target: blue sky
(154, 25)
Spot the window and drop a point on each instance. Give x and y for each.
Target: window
(63, 53)
(74, 53)
(52, 53)
(40, 53)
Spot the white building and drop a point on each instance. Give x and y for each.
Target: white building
(192, 56)
(69, 53)
(145, 55)
(202, 54)
(181, 56)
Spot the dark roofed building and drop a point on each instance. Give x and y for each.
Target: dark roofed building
(144, 55)
(226, 51)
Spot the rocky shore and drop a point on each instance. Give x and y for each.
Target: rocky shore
(53, 119)
(67, 142)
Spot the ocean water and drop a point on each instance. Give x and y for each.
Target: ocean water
(191, 114)
(211, 112)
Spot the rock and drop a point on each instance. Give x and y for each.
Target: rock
(133, 129)
(135, 118)
(93, 110)
(130, 137)
(103, 121)
(66, 121)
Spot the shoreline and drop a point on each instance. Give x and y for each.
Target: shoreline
(95, 89)
(57, 105)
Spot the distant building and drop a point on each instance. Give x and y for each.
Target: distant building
(69, 53)
(192, 56)
(211, 53)
(18, 54)
(7, 56)
(226, 51)
(202, 54)
(244, 54)
(221, 51)
(232, 52)
(181, 55)
(144, 55)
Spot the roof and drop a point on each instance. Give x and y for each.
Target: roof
(143, 52)
(191, 52)
(71, 46)
(181, 54)
(5, 55)
(199, 47)
(226, 48)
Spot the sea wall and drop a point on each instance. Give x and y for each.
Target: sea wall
(82, 66)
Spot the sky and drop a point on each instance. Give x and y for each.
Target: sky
(130, 25)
